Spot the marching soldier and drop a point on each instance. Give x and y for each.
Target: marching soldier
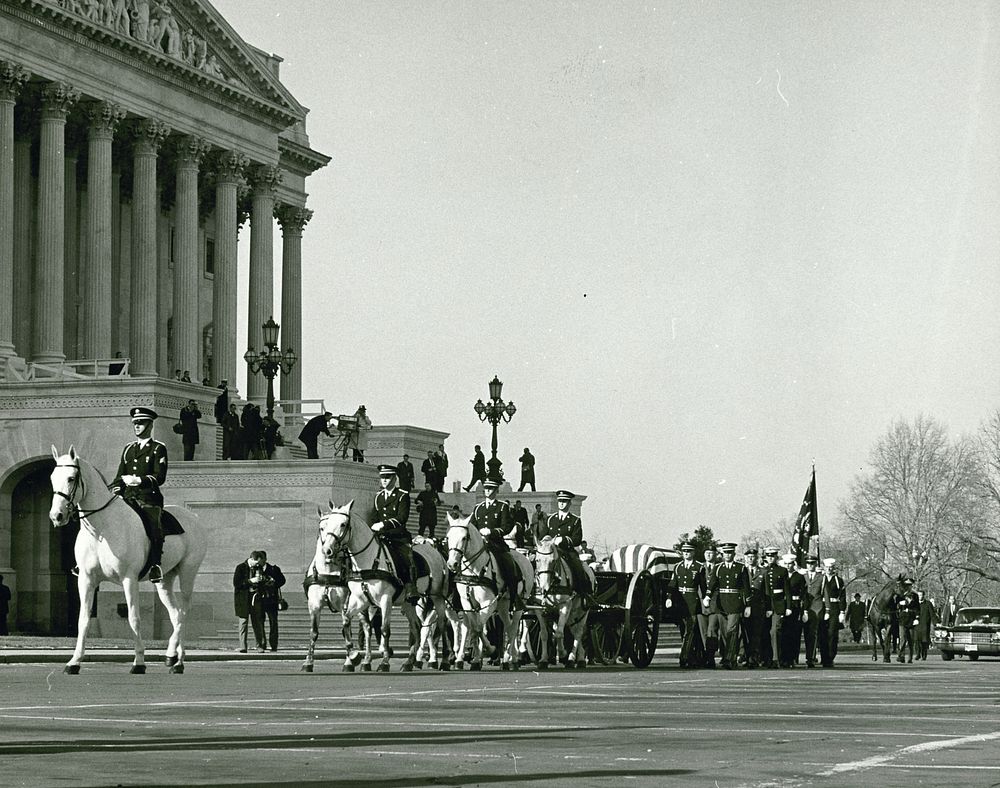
(709, 623)
(776, 603)
(754, 614)
(392, 510)
(684, 586)
(813, 608)
(566, 530)
(141, 472)
(833, 596)
(495, 520)
(730, 585)
(797, 600)
(907, 608)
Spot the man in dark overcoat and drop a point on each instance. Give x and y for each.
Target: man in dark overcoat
(189, 428)
(310, 433)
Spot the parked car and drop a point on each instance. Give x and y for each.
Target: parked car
(976, 631)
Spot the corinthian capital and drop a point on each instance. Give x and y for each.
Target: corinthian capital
(58, 99)
(104, 117)
(292, 218)
(265, 178)
(149, 135)
(191, 150)
(230, 166)
(12, 77)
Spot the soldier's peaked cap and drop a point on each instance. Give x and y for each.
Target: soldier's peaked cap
(687, 547)
(564, 495)
(771, 551)
(812, 559)
(386, 470)
(140, 413)
(750, 551)
(728, 547)
(492, 484)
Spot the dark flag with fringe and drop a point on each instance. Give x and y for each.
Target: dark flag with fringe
(806, 524)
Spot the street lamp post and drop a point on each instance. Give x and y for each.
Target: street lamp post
(270, 360)
(495, 411)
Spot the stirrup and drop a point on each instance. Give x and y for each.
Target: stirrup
(75, 571)
(155, 574)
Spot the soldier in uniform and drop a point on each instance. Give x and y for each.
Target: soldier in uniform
(777, 601)
(730, 586)
(392, 510)
(684, 586)
(833, 596)
(709, 621)
(755, 644)
(141, 472)
(908, 609)
(813, 608)
(792, 630)
(495, 520)
(566, 530)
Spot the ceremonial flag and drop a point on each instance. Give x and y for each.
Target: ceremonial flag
(806, 524)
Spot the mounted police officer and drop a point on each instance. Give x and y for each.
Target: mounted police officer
(684, 586)
(730, 585)
(141, 472)
(392, 510)
(777, 601)
(566, 530)
(495, 520)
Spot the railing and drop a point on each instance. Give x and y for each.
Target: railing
(84, 369)
(298, 411)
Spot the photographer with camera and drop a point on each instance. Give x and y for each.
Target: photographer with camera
(265, 581)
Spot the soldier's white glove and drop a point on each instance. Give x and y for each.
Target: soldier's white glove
(788, 612)
(707, 601)
(668, 603)
(768, 613)
(746, 612)
(916, 622)
(826, 616)
(486, 531)
(558, 540)
(805, 618)
(842, 618)
(131, 480)
(378, 527)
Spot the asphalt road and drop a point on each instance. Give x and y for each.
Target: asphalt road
(253, 722)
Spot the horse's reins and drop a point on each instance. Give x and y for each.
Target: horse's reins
(79, 485)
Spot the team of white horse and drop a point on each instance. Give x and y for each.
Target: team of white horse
(112, 546)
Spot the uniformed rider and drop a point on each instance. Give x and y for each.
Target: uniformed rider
(392, 510)
(141, 472)
(566, 531)
(495, 520)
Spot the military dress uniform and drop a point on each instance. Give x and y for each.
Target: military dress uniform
(146, 459)
(570, 528)
(684, 586)
(813, 609)
(907, 608)
(833, 596)
(756, 639)
(709, 620)
(392, 509)
(495, 520)
(730, 585)
(793, 624)
(777, 599)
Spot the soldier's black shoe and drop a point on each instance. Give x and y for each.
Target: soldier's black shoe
(155, 574)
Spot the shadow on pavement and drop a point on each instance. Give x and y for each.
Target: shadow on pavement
(615, 775)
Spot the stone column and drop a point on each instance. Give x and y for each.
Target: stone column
(116, 259)
(187, 326)
(229, 175)
(24, 202)
(12, 77)
(145, 208)
(104, 117)
(292, 220)
(264, 180)
(57, 99)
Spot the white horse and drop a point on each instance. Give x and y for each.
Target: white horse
(327, 589)
(483, 593)
(373, 583)
(112, 545)
(554, 587)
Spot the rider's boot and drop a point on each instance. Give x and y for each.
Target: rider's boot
(156, 550)
(410, 589)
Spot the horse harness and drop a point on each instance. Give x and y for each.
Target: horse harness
(78, 484)
(480, 579)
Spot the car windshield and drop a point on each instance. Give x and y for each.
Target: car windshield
(979, 616)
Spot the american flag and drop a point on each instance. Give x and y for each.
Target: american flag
(806, 524)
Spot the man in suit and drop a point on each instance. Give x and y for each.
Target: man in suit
(730, 585)
(392, 510)
(310, 433)
(566, 530)
(189, 428)
(833, 598)
(494, 520)
(709, 621)
(684, 585)
(241, 598)
(927, 617)
(429, 469)
(949, 613)
(856, 617)
(222, 402)
(522, 530)
(478, 468)
(264, 595)
(777, 604)
(405, 474)
(141, 472)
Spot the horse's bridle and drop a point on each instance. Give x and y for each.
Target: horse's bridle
(461, 545)
(341, 541)
(78, 485)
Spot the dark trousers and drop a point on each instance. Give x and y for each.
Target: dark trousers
(189, 451)
(312, 451)
(427, 524)
(776, 625)
(525, 482)
(829, 632)
(856, 634)
(472, 484)
(791, 638)
(259, 608)
(688, 626)
(730, 630)
(906, 643)
(709, 626)
(811, 633)
(242, 632)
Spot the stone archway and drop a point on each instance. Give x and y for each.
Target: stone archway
(39, 557)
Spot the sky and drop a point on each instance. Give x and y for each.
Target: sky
(704, 245)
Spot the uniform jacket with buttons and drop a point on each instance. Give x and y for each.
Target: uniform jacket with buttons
(569, 527)
(713, 603)
(907, 608)
(149, 463)
(777, 597)
(730, 585)
(689, 585)
(392, 508)
(833, 595)
(797, 591)
(496, 516)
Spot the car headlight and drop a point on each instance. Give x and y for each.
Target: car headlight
(995, 637)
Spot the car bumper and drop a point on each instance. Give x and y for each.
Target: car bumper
(986, 649)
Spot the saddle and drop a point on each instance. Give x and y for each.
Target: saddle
(169, 525)
(402, 567)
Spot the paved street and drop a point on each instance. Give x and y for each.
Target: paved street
(230, 723)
